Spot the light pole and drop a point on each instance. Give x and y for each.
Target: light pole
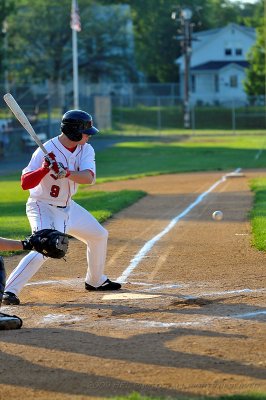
(4, 31)
(185, 16)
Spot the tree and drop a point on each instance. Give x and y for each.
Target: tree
(255, 81)
(41, 41)
(107, 44)
(6, 8)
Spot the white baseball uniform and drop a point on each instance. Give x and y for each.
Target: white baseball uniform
(50, 205)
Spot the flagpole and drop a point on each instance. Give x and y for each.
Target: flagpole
(75, 69)
(76, 27)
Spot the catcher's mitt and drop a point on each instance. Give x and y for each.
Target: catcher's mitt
(49, 242)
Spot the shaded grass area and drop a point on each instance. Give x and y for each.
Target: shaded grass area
(258, 213)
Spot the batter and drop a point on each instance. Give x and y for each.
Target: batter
(52, 181)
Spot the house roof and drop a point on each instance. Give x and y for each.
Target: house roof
(216, 65)
(210, 32)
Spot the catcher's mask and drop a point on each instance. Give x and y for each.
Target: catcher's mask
(76, 122)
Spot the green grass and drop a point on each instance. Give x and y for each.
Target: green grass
(133, 130)
(258, 213)
(136, 159)
(250, 396)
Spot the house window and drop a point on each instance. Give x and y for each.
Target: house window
(216, 83)
(233, 81)
(238, 52)
(193, 83)
(228, 51)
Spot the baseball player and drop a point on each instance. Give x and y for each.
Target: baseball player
(52, 181)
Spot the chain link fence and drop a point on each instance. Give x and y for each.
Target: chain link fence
(125, 109)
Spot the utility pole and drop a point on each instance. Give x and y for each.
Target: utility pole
(185, 16)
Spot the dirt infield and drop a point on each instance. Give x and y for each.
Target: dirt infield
(190, 319)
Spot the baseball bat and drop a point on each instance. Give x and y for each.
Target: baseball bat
(19, 114)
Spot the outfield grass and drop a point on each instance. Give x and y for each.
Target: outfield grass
(137, 159)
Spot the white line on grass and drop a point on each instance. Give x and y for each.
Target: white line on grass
(148, 246)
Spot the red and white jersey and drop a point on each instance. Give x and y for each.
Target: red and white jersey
(59, 192)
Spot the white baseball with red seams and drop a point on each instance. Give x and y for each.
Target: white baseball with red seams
(50, 206)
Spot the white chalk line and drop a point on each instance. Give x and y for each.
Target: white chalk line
(201, 320)
(51, 318)
(63, 282)
(136, 323)
(148, 245)
(151, 288)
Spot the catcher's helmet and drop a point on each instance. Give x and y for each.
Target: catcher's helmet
(76, 122)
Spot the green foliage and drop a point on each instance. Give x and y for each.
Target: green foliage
(40, 41)
(254, 83)
(6, 8)
(40, 45)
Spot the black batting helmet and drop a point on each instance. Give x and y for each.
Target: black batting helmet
(76, 122)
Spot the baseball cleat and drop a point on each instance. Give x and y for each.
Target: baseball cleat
(10, 299)
(107, 285)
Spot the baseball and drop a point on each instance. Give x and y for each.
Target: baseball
(217, 215)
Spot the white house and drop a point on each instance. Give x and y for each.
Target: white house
(217, 64)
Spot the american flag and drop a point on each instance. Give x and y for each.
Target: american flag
(75, 19)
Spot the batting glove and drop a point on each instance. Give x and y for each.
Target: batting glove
(63, 172)
(50, 162)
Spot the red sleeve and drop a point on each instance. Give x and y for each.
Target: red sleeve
(33, 178)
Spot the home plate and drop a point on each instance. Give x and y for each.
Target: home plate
(130, 296)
